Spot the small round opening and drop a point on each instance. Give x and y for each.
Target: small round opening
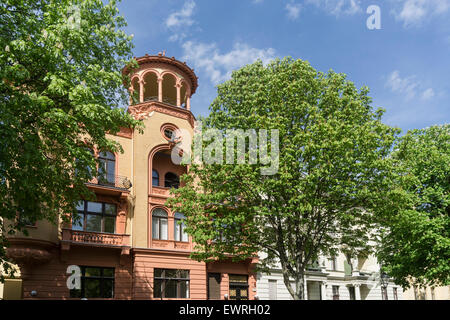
(168, 133)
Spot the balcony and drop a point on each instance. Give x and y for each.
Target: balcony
(111, 183)
(161, 191)
(96, 239)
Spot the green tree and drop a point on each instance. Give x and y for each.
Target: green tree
(61, 89)
(415, 244)
(333, 170)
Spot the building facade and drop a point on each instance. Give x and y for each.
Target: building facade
(333, 279)
(127, 244)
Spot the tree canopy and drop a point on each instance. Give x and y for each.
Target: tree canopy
(415, 245)
(334, 171)
(61, 89)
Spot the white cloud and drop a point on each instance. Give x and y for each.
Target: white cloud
(338, 7)
(183, 17)
(293, 10)
(407, 86)
(414, 12)
(428, 94)
(410, 87)
(218, 66)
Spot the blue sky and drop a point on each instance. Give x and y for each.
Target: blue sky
(406, 63)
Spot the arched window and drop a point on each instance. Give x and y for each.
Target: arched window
(171, 180)
(155, 178)
(159, 224)
(107, 168)
(180, 233)
(151, 87)
(169, 89)
(135, 94)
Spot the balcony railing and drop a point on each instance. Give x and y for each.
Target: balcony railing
(111, 239)
(114, 181)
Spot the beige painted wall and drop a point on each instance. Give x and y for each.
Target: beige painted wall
(440, 293)
(143, 144)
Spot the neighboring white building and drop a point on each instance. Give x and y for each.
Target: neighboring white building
(333, 280)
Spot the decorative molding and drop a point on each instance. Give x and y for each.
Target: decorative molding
(140, 111)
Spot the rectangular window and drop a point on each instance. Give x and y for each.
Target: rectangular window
(335, 292)
(96, 282)
(180, 233)
(395, 293)
(351, 291)
(333, 263)
(238, 287)
(159, 228)
(95, 217)
(171, 283)
(214, 280)
(272, 289)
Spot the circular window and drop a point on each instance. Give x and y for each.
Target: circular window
(168, 131)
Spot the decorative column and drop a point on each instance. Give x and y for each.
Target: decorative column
(131, 90)
(178, 86)
(306, 288)
(357, 291)
(188, 102)
(160, 86)
(323, 290)
(141, 91)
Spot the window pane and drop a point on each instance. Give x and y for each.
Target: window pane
(110, 224)
(179, 216)
(92, 288)
(95, 207)
(92, 272)
(159, 213)
(108, 272)
(164, 229)
(80, 206)
(184, 235)
(158, 273)
(184, 274)
(155, 228)
(184, 289)
(108, 288)
(77, 222)
(110, 172)
(171, 273)
(107, 155)
(110, 209)
(74, 293)
(171, 289)
(155, 178)
(177, 231)
(157, 289)
(94, 223)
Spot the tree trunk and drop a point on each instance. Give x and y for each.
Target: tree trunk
(297, 293)
(300, 286)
